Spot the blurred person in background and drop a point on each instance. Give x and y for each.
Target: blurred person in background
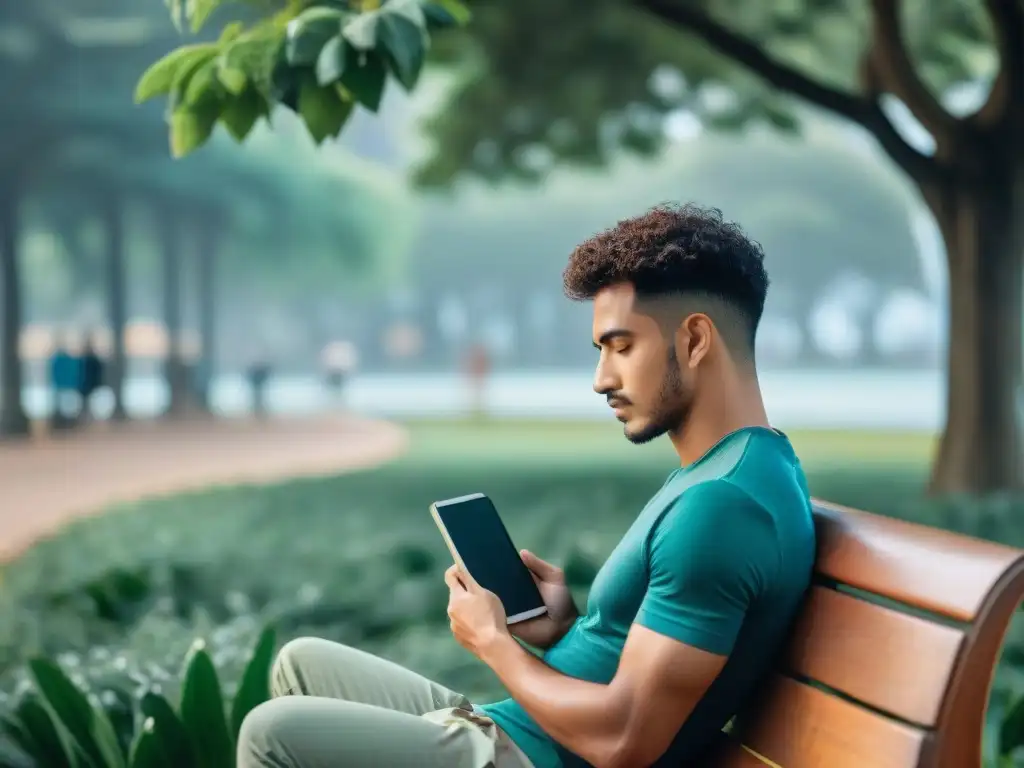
(685, 618)
(338, 360)
(90, 378)
(64, 383)
(477, 368)
(258, 374)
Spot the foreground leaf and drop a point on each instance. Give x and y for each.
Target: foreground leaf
(202, 711)
(254, 688)
(160, 77)
(191, 128)
(39, 736)
(365, 77)
(146, 752)
(88, 727)
(169, 737)
(323, 109)
(241, 112)
(309, 32)
(406, 46)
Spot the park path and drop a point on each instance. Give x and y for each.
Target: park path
(47, 481)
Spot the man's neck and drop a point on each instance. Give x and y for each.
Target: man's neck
(733, 405)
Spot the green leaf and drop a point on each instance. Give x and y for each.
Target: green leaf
(445, 13)
(309, 32)
(1011, 730)
(159, 78)
(361, 30)
(169, 735)
(202, 711)
(241, 112)
(145, 751)
(231, 32)
(254, 688)
(183, 79)
(330, 65)
(232, 78)
(191, 128)
(323, 109)
(40, 737)
(88, 727)
(257, 55)
(199, 12)
(204, 86)
(364, 78)
(406, 45)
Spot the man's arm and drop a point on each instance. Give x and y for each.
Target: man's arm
(626, 724)
(708, 559)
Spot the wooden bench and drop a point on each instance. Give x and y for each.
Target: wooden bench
(867, 686)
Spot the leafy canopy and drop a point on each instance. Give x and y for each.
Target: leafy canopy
(318, 58)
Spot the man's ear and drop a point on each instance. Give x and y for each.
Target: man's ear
(693, 339)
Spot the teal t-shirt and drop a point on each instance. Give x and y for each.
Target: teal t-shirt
(720, 560)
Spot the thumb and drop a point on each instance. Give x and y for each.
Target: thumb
(542, 568)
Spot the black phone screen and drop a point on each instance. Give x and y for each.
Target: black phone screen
(488, 553)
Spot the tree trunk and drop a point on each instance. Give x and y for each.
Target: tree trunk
(174, 369)
(208, 247)
(13, 421)
(981, 449)
(117, 309)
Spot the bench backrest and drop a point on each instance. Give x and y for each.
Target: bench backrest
(901, 684)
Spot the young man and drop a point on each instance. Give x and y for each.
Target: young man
(684, 618)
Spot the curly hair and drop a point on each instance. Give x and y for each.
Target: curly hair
(674, 249)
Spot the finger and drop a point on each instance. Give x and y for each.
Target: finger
(467, 580)
(452, 577)
(540, 567)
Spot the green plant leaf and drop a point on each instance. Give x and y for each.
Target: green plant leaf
(330, 65)
(159, 78)
(231, 78)
(183, 79)
(172, 740)
(89, 728)
(405, 44)
(191, 128)
(257, 55)
(254, 687)
(445, 13)
(361, 30)
(1011, 730)
(146, 749)
(204, 86)
(231, 32)
(241, 112)
(202, 710)
(36, 732)
(309, 32)
(364, 78)
(323, 109)
(199, 12)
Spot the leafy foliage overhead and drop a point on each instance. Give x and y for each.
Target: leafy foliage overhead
(319, 58)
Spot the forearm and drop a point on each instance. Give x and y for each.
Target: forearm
(586, 718)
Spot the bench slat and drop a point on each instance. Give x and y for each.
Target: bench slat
(894, 662)
(934, 570)
(802, 727)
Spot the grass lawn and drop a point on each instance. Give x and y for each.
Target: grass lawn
(357, 557)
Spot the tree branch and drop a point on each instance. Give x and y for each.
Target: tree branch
(1008, 24)
(897, 75)
(865, 111)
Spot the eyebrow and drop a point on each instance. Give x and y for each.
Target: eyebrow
(610, 335)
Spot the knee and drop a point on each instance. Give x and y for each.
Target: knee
(294, 663)
(262, 740)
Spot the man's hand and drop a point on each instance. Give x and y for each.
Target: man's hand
(477, 617)
(544, 631)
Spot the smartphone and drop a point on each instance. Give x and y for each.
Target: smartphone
(479, 543)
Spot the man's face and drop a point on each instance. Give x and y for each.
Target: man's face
(638, 370)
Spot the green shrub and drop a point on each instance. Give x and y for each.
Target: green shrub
(57, 723)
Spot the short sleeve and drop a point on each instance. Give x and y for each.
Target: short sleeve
(709, 557)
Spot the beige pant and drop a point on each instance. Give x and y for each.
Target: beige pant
(337, 707)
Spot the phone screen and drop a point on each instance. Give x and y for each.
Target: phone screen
(488, 553)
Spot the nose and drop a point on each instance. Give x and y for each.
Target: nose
(605, 380)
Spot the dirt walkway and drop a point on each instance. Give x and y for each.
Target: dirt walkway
(48, 481)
